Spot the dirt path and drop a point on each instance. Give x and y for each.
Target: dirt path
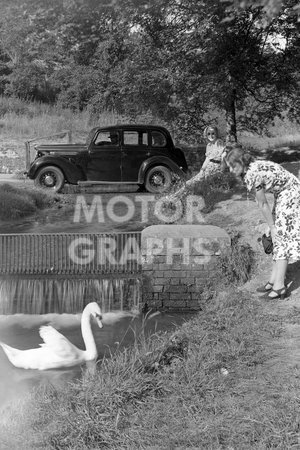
(240, 214)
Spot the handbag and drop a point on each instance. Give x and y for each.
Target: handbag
(267, 243)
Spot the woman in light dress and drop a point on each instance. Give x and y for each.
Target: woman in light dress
(213, 156)
(283, 220)
(212, 165)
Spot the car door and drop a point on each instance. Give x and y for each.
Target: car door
(104, 158)
(135, 149)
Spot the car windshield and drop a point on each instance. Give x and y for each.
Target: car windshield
(158, 139)
(104, 137)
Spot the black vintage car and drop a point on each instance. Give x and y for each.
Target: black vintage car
(129, 154)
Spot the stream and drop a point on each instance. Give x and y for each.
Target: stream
(22, 330)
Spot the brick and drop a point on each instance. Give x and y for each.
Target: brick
(162, 281)
(202, 273)
(163, 296)
(157, 288)
(175, 281)
(158, 274)
(189, 280)
(172, 288)
(165, 266)
(182, 297)
(193, 289)
(159, 259)
(175, 274)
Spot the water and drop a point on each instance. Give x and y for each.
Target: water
(58, 295)
(21, 331)
(111, 219)
(38, 297)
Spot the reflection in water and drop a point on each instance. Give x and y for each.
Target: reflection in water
(110, 220)
(21, 331)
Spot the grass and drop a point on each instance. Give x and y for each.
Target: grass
(216, 396)
(18, 202)
(200, 387)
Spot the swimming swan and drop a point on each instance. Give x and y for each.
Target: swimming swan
(57, 351)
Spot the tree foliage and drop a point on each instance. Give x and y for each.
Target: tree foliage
(178, 59)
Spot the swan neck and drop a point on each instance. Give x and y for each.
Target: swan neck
(87, 335)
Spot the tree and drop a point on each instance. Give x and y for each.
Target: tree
(42, 38)
(178, 59)
(232, 66)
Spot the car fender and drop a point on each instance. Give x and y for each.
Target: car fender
(72, 172)
(159, 161)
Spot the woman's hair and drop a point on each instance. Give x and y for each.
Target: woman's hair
(235, 154)
(210, 128)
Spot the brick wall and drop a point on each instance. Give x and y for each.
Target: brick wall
(177, 260)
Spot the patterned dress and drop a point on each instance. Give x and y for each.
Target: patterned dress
(286, 210)
(213, 154)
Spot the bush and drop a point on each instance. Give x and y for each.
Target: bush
(16, 202)
(236, 264)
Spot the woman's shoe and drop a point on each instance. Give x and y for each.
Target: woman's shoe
(266, 288)
(279, 293)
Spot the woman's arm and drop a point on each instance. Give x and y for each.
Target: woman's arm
(198, 177)
(266, 210)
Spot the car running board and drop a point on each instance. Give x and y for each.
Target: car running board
(92, 183)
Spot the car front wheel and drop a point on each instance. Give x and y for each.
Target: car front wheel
(50, 177)
(158, 179)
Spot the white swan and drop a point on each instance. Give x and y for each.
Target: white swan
(57, 351)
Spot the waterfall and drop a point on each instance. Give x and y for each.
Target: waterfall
(44, 295)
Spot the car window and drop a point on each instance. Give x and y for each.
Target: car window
(145, 138)
(158, 139)
(135, 138)
(107, 138)
(131, 138)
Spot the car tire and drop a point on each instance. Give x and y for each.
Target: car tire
(158, 179)
(50, 177)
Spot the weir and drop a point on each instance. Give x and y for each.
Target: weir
(44, 273)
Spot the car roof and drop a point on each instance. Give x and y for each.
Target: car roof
(131, 127)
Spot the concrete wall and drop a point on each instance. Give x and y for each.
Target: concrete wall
(177, 260)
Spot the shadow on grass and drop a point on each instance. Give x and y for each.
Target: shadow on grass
(283, 155)
(217, 188)
(289, 152)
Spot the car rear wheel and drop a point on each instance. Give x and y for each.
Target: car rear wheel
(158, 179)
(50, 177)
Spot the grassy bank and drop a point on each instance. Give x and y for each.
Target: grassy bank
(18, 202)
(213, 396)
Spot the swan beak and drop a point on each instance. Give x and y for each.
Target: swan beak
(99, 322)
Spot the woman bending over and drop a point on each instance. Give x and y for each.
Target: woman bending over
(283, 220)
